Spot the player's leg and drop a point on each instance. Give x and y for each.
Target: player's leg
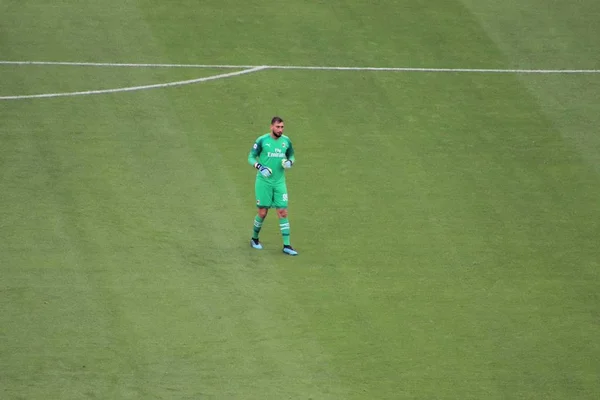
(281, 204)
(260, 216)
(264, 200)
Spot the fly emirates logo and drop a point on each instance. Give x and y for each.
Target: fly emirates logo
(276, 154)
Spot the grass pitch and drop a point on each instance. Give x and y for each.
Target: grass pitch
(447, 223)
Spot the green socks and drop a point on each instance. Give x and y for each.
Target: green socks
(284, 226)
(258, 221)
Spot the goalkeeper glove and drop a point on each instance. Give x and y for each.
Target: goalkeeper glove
(264, 171)
(286, 163)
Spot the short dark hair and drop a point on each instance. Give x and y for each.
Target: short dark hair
(276, 120)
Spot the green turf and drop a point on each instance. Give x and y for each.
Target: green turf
(447, 223)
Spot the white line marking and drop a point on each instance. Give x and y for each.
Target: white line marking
(305, 67)
(143, 65)
(135, 88)
(471, 70)
(254, 68)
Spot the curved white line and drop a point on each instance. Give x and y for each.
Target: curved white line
(134, 88)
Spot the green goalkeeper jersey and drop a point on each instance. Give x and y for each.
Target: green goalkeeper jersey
(271, 152)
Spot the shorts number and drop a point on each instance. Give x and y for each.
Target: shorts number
(284, 197)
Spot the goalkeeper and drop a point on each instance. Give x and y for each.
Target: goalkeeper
(271, 155)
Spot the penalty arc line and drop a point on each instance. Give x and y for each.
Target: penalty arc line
(136, 88)
(306, 67)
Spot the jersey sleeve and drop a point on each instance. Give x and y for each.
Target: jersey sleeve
(254, 152)
(289, 153)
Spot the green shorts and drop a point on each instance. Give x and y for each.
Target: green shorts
(270, 195)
